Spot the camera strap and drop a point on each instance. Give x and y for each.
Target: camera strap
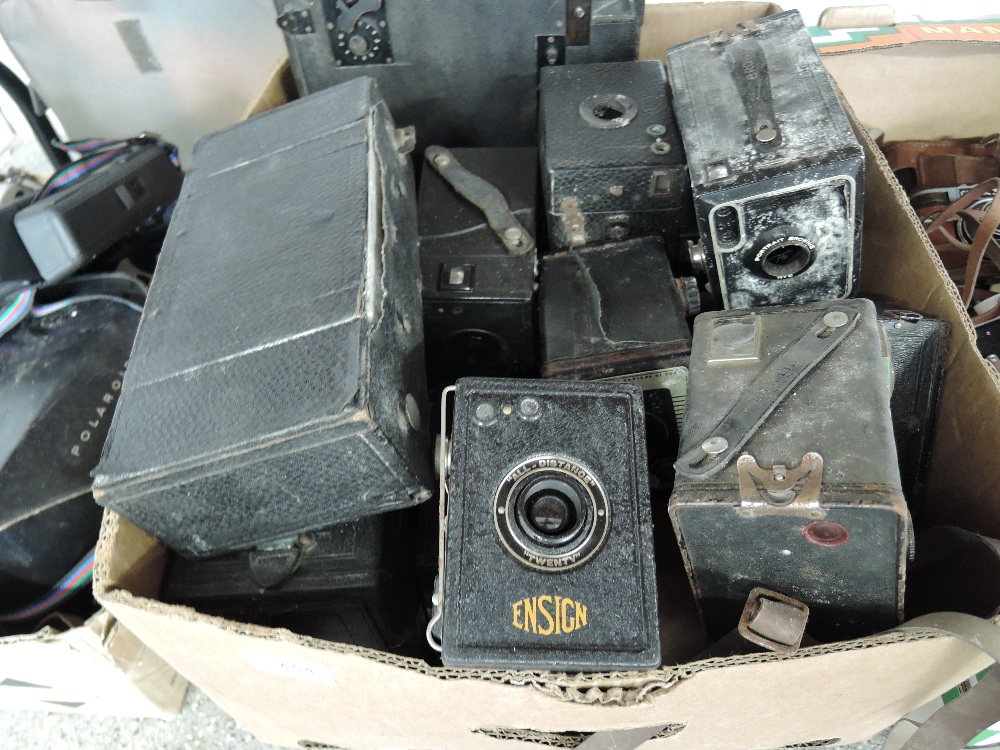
(985, 225)
(748, 66)
(766, 391)
(486, 197)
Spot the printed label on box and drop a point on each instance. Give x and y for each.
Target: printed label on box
(288, 666)
(848, 40)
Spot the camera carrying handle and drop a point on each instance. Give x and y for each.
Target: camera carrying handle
(748, 67)
(711, 454)
(486, 197)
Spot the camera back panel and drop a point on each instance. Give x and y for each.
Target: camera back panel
(475, 60)
(612, 159)
(478, 297)
(812, 505)
(777, 172)
(549, 556)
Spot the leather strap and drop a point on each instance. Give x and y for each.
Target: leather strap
(983, 243)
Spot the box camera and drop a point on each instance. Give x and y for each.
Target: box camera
(277, 377)
(476, 214)
(919, 346)
(612, 161)
(548, 557)
(443, 67)
(776, 169)
(787, 477)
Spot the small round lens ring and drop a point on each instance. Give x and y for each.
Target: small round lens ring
(551, 513)
(608, 111)
(785, 257)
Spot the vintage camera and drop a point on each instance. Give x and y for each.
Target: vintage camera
(476, 215)
(265, 399)
(919, 346)
(776, 169)
(788, 477)
(68, 229)
(612, 160)
(548, 558)
(442, 65)
(346, 583)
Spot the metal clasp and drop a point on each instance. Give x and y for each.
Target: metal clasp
(780, 490)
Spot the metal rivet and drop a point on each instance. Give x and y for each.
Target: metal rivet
(485, 412)
(512, 234)
(500, 510)
(660, 147)
(779, 477)
(579, 12)
(656, 130)
(412, 411)
(835, 319)
(507, 410)
(766, 134)
(530, 407)
(713, 446)
(616, 190)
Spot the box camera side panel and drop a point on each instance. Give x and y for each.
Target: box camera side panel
(395, 366)
(531, 586)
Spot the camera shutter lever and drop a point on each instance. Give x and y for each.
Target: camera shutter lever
(766, 391)
(484, 196)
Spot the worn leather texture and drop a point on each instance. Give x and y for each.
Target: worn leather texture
(611, 310)
(808, 182)
(731, 547)
(612, 172)
(919, 346)
(450, 74)
(267, 391)
(600, 427)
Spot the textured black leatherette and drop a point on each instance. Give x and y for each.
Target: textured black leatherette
(267, 390)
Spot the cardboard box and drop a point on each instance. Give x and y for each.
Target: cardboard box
(97, 669)
(292, 690)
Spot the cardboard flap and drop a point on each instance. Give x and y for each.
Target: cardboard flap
(100, 668)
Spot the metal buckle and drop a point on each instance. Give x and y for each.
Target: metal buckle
(774, 621)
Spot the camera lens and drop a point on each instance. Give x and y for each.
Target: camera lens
(786, 257)
(550, 512)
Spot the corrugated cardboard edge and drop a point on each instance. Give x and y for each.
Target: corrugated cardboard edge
(315, 677)
(280, 88)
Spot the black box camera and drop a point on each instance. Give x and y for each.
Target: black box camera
(612, 159)
(776, 169)
(548, 560)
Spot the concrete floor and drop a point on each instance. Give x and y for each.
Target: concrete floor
(199, 726)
